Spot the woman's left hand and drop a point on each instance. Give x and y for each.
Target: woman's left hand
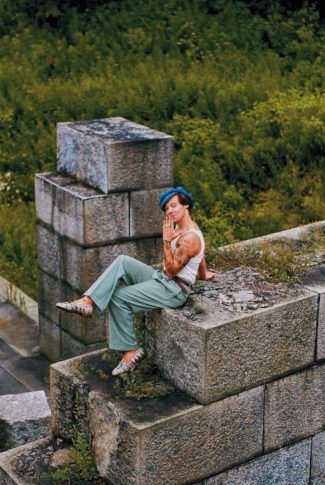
(210, 275)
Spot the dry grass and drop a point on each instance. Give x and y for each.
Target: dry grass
(279, 260)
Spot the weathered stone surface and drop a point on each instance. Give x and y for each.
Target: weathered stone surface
(294, 234)
(115, 154)
(51, 291)
(146, 218)
(9, 385)
(49, 251)
(84, 265)
(79, 212)
(318, 459)
(156, 440)
(31, 463)
(218, 344)
(314, 280)
(61, 458)
(80, 267)
(44, 194)
(86, 330)
(50, 339)
(23, 417)
(294, 407)
(71, 346)
(288, 466)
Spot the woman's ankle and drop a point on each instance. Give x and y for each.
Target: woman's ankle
(87, 300)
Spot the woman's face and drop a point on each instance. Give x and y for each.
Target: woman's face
(175, 209)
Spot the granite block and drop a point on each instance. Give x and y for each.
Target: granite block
(167, 439)
(84, 265)
(18, 465)
(317, 476)
(44, 193)
(115, 154)
(51, 291)
(287, 466)
(294, 407)
(146, 218)
(24, 417)
(49, 251)
(49, 339)
(72, 346)
(80, 212)
(85, 330)
(229, 337)
(314, 280)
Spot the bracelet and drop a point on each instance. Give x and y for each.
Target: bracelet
(166, 242)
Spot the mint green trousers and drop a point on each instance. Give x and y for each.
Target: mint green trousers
(146, 289)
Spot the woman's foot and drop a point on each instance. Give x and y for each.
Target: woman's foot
(130, 360)
(83, 306)
(129, 354)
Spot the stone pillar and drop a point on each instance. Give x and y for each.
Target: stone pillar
(101, 202)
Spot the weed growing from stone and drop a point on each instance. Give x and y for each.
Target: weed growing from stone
(279, 260)
(144, 382)
(82, 465)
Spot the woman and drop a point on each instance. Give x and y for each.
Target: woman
(147, 288)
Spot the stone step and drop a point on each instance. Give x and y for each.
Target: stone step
(22, 369)
(24, 417)
(162, 439)
(235, 333)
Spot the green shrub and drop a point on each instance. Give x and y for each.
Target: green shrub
(239, 85)
(18, 246)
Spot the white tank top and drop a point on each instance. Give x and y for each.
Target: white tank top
(189, 272)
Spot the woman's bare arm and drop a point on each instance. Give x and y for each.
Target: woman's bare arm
(202, 271)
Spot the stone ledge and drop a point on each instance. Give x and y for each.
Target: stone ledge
(23, 417)
(170, 439)
(29, 464)
(294, 234)
(19, 299)
(237, 332)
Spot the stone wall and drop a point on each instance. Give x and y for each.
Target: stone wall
(101, 202)
(250, 354)
(247, 358)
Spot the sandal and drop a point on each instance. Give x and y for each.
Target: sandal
(79, 308)
(123, 366)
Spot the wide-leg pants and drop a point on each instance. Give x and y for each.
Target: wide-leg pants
(146, 289)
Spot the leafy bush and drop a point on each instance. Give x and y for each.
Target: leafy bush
(239, 85)
(18, 246)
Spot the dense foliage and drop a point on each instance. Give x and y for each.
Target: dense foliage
(239, 85)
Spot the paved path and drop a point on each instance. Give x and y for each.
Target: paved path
(22, 369)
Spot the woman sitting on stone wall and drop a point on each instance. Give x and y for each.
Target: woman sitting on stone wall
(147, 288)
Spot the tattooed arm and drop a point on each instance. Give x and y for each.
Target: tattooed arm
(187, 246)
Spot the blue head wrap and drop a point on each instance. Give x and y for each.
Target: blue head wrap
(168, 194)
